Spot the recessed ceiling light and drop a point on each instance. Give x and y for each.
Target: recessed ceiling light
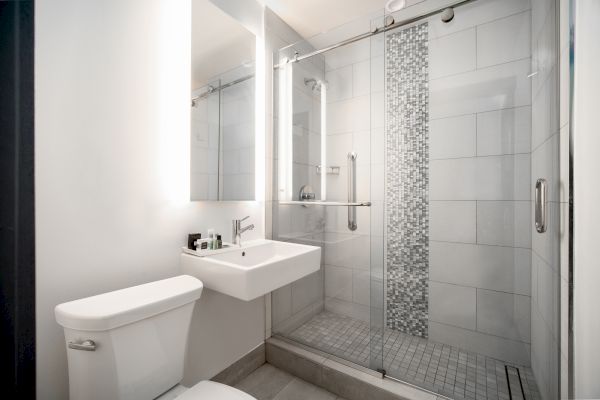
(395, 5)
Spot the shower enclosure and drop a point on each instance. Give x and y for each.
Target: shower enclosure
(422, 156)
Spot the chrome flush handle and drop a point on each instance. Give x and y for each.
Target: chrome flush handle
(86, 345)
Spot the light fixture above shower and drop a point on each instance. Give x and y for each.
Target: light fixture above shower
(395, 5)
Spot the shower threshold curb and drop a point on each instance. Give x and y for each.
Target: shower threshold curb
(343, 378)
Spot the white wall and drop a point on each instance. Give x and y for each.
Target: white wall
(586, 142)
(112, 173)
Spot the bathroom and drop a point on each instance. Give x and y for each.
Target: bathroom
(361, 199)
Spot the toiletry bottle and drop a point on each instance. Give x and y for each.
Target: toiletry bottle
(219, 242)
(211, 237)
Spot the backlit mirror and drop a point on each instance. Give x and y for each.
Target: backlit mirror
(222, 106)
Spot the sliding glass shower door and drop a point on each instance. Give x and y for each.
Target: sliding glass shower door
(324, 128)
(471, 224)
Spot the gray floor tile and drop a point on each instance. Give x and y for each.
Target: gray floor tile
(265, 383)
(301, 390)
(449, 370)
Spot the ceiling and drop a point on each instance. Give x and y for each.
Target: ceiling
(310, 17)
(219, 42)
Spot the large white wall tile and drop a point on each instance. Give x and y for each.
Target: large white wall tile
(547, 296)
(337, 185)
(281, 304)
(338, 282)
(338, 147)
(347, 250)
(377, 74)
(357, 311)
(361, 78)
(452, 221)
(492, 88)
(476, 13)
(361, 288)
(546, 245)
(377, 110)
(545, 113)
(347, 55)
(504, 223)
(503, 177)
(505, 131)
(339, 84)
(494, 346)
(361, 144)
(481, 178)
(452, 179)
(545, 50)
(307, 291)
(452, 54)
(503, 40)
(504, 314)
(499, 268)
(452, 137)
(452, 304)
(545, 161)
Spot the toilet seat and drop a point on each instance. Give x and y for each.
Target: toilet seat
(208, 390)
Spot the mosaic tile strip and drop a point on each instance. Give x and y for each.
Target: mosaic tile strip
(407, 179)
(444, 369)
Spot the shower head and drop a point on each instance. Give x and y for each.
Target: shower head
(314, 84)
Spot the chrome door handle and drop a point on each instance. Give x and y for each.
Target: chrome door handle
(352, 190)
(541, 211)
(86, 345)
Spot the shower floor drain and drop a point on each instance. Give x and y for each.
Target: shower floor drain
(514, 383)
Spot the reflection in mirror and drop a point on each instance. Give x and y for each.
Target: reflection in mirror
(222, 106)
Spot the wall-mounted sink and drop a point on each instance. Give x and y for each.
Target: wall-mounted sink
(254, 269)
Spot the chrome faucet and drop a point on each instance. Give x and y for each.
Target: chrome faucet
(236, 232)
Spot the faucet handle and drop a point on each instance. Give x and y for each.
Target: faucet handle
(245, 218)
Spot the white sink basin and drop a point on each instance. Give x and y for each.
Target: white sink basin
(255, 269)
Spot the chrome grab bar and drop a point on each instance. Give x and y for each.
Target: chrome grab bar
(352, 190)
(86, 345)
(325, 203)
(540, 205)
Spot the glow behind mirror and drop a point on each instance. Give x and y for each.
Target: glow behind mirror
(285, 176)
(323, 141)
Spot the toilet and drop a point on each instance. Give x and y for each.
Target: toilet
(130, 344)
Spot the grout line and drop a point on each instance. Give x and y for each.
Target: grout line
(481, 244)
(488, 201)
(487, 334)
(479, 288)
(515, 61)
(486, 22)
(480, 112)
(481, 156)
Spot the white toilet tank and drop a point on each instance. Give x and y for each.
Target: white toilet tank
(139, 337)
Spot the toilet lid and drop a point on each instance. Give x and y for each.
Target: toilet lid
(208, 390)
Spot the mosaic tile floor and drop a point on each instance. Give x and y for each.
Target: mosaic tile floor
(443, 369)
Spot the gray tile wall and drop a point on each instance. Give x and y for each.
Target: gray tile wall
(407, 179)
(480, 176)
